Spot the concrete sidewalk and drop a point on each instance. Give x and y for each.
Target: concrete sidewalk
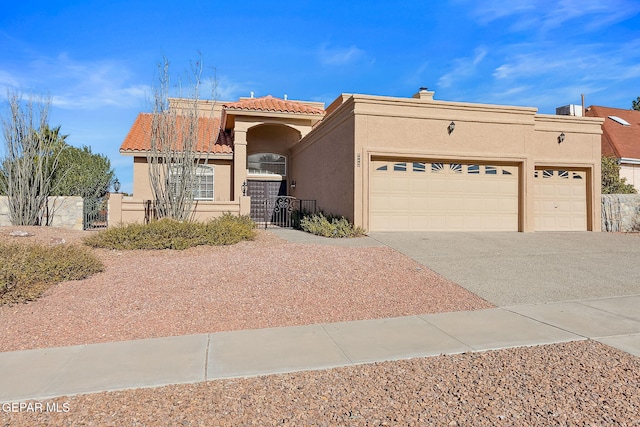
(46, 373)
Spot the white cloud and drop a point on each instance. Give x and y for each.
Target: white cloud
(127, 97)
(77, 84)
(340, 56)
(544, 15)
(7, 80)
(226, 89)
(463, 67)
(553, 75)
(589, 62)
(488, 11)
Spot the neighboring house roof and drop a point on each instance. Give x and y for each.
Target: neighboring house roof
(139, 137)
(618, 139)
(269, 103)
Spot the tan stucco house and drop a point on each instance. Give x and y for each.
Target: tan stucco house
(390, 163)
(621, 139)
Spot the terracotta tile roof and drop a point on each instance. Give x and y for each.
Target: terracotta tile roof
(139, 136)
(618, 140)
(269, 103)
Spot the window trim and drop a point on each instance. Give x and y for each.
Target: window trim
(201, 171)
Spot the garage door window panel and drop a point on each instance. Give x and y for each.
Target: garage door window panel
(400, 167)
(490, 170)
(419, 167)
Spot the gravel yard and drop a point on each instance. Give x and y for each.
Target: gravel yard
(264, 283)
(269, 282)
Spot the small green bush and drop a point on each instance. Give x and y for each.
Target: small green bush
(169, 234)
(26, 271)
(329, 226)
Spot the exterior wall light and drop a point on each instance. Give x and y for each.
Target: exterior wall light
(451, 127)
(293, 185)
(116, 185)
(561, 138)
(244, 188)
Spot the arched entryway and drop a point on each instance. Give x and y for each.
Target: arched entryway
(268, 165)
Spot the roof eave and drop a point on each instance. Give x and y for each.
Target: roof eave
(199, 155)
(279, 114)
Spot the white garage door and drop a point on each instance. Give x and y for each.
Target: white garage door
(410, 195)
(560, 200)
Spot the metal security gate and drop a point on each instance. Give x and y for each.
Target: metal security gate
(94, 212)
(286, 211)
(260, 192)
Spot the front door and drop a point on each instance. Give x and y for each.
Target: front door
(260, 191)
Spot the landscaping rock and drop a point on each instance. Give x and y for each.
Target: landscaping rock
(20, 233)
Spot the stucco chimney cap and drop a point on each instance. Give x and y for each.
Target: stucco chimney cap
(424, 94)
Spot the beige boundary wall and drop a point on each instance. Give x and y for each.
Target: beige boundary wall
(361, 128)
(65, 212)
(127, 210)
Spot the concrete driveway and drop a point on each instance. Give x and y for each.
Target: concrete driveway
(528, 268)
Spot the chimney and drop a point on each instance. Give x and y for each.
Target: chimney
(424, 94)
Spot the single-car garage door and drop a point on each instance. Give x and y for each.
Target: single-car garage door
(560, 200)
(411, 195)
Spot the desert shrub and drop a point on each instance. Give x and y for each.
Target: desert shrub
(329, 226)
(26, 271)
(296, 217)
(612, 183)
(170, 234)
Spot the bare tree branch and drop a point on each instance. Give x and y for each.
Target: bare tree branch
(175, 151)
(30, 158)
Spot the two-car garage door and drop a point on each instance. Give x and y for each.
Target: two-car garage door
(417, 195)
(443, 196)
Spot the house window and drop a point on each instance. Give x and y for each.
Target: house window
(266, 164)
(202, 187)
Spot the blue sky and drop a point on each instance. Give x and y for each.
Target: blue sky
(98, 59)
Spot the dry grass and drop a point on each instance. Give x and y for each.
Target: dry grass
(28, 270)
